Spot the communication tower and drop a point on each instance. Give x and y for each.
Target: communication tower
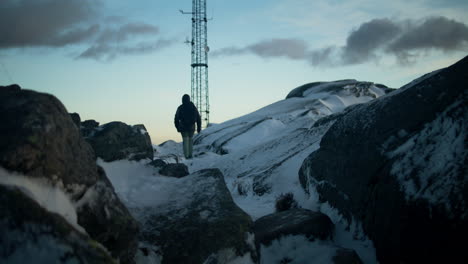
(199, 65)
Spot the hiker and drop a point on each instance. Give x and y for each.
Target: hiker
(185, 118)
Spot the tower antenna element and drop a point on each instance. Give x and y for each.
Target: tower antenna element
(199, 64)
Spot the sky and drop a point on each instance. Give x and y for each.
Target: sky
(117, 60)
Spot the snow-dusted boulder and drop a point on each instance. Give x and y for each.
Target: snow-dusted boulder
(31, 234)
(157, 163)
(88, 127)
(177, 170)
(199, 222)
(398, 166)
(39, 139)
(117, 140)
(313, 225)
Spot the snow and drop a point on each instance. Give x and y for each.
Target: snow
(50, 197)
(263, 152)
(350, 235)
(426, 164)
(137, 184)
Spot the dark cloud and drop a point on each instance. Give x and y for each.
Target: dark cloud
(44, 23)
(378, 37)
(291, 48)
(322, 57)
(124, 32)
(106, 51)
(438, 33)
(362, 43)
(59, 23)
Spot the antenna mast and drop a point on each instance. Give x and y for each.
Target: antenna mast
(199, 65)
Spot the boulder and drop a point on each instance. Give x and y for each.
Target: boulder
(398, 166)
(346, 256)
(88, 127)
(76, 119)
(292, 222)
(199, 222)
(157, 163)
(39, 139)
(31, 234)
(117, 140)
(177, 170)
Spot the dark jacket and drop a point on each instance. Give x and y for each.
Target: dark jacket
(186, 117)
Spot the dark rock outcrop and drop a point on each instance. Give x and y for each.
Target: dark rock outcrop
(177, 170)
(117, 140)
(398, 166)
(157, 163)
(88, 127)
(199, 222)
(346, 256)
(39, 139)
(31, 234)
(76, 119)
(314, 225)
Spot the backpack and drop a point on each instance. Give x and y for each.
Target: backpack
(187, 115)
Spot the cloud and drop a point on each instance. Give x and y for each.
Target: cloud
(438, 33)
(291, 48)
(58, 23)
(44, 23)
(106, 52)
(371, 40)
(362, 43)
(124, 32)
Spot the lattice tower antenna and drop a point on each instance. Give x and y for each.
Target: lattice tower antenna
(199, 65)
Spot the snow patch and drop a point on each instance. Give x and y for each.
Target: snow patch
(50, 197)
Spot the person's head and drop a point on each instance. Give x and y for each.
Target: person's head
(185, 99)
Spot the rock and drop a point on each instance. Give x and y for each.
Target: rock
(158, 163)
(108, 220)
(199, 221)
(39, 139)
(398, 166)
(76, 119)
(13, 88)
(117, 140)
(292, 222)
(88, 127)
(90, 123)
(285, 202)
(31, 234)
(174, 170)
(346, 256)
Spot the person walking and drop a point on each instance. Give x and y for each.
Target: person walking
(185, 118)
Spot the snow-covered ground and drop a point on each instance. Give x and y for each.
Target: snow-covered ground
(260, 155)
